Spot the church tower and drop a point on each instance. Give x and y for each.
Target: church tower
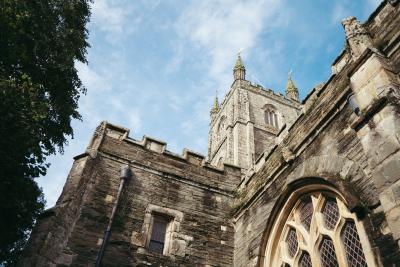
(249, 120)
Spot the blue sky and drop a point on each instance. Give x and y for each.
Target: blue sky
(154, 66)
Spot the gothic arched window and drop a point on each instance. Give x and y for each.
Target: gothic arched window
(317, 230)
(270, 116)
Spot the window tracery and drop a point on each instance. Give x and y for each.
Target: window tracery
(270, 116)
(319, 231)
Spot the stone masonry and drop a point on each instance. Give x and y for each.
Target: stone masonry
(266, 152)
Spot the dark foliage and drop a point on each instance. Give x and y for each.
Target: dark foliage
(39, 90)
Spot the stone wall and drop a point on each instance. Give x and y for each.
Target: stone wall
(330, 144)
(162, 182)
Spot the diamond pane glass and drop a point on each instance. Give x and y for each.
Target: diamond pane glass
(331, 213)
(305, 260)
(306, 212)
(352, 246)
(328, 254)
(292, 242)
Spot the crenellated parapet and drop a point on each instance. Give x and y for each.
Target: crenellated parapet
(109, 138)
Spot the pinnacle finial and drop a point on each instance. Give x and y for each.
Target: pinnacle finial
(215, 106)
(239, 64)
(216, 103)
(239, 71)
(357, 37)
(290, 84)
(291, 89)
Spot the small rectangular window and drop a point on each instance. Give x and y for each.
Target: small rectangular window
(158, 233)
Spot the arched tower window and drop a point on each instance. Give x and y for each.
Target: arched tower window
(317, 229)
(271, 116)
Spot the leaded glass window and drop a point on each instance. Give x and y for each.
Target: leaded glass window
(331, 213)
(292, 242)
(305, 260)
(352, 246)
(319, 231)
(306, 212)
(328, 253)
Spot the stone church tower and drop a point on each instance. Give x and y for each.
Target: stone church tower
(249, 120)
(285, 184)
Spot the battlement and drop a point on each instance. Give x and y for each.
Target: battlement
(276, 95)
(154, 145)
(258, 89)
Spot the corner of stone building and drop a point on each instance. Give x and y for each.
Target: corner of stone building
(81, 161)
(48, 243)
(106, 128)
(375, 83)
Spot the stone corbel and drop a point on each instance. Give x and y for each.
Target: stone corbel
(92, 153)
(287, 154)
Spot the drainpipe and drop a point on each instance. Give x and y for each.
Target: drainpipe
(125, 174)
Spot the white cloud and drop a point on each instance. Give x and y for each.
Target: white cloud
(114, 19)
(90, 78)
(134, 119)
(221, 28)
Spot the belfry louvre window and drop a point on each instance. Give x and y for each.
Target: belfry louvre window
(271, 118)
(317, 230)
(158, 234)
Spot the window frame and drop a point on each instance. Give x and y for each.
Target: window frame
(274, 254)
(173, 228)
(271, 118)
(167, 235)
